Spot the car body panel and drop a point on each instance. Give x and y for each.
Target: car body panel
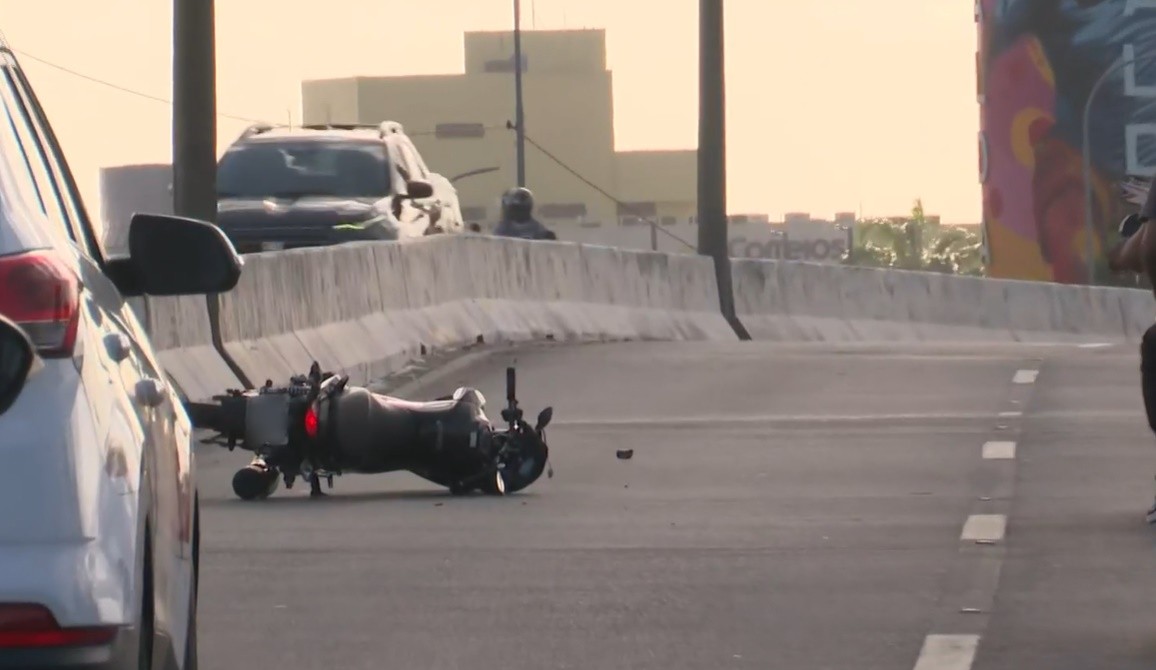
(304, 222)
(97, 446)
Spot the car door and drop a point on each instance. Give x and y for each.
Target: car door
(164, 427)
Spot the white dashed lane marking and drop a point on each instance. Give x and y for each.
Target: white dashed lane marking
(1025, 376)
(984, 527)
(947, 652)
(957, 652)
(999, 449)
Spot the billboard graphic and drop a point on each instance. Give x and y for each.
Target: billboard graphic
(1039, 64)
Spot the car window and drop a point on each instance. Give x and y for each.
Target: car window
(303, 169)
(65, 200)
(16, 158)
(47, 195)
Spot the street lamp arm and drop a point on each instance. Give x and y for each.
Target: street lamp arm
(473, 173)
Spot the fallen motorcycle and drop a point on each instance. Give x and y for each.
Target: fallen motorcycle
(319, 426)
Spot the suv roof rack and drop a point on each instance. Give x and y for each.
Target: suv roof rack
(391, 128)
(257, 129)
(384, 128)
(338, 126)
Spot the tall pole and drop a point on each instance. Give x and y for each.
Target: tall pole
(712, 163)
(195, 134)
(194, 110)
(712, 179)
(519, 116)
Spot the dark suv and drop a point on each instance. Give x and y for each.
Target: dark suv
(282, 187)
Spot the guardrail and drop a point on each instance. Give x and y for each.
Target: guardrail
(367, 309)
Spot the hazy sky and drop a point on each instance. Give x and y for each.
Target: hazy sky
(833, 105)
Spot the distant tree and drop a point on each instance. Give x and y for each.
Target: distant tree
(918, 243)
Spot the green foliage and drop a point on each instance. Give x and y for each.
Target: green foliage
(917, 243)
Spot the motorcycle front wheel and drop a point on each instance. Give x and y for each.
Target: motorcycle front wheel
(254, 482)
(495, 486)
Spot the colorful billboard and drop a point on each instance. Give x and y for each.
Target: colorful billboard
(1039, 64)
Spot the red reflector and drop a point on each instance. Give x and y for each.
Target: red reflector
(26, 626)
(41, 294)
(311, 422)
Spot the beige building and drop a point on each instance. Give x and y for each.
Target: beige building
(459, 123)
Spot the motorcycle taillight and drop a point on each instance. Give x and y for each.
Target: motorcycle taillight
(311, 422)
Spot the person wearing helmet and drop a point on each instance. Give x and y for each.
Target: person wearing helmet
(1136, 252)
(518, 217)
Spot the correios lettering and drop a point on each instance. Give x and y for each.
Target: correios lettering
(784, 248)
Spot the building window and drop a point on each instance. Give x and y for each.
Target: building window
(506, 64)
(575, 210)
(459, 130)
(648, 209)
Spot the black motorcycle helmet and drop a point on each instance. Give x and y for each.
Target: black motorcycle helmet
(518, 204)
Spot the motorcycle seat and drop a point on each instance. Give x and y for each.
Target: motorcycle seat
(464, 402)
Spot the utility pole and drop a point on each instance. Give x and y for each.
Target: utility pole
(194, 110)
(195, 134)
(519, 115)
(712, 164)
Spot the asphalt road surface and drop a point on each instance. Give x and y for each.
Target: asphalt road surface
(787, 507)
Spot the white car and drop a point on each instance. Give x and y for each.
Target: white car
(99, 522)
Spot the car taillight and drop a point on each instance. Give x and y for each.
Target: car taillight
(28, 626)
(41, 294)
(311, 422)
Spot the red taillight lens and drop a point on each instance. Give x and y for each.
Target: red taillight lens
(311, 422)
(41, 294)
(27, 626)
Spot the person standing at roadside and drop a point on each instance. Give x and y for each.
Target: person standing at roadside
(1136, 252)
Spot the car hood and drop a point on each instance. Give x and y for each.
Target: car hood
(312, 212)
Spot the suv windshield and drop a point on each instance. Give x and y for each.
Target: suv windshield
(304, 168)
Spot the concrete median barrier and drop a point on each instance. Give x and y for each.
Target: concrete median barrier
(181, 335)
(369, 309)
(799, 301)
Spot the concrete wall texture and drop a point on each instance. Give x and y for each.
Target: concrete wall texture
(448, 292)
(458, 121)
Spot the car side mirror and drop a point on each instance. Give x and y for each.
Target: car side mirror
(418, 189)
(18, 361)
(172, 255)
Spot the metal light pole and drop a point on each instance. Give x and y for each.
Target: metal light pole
(1089, 225)
(519, 115)
(194, 110)
(712, 163)
(712, 209)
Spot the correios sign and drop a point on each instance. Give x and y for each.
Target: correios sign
(782, 247)
(815, 241)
